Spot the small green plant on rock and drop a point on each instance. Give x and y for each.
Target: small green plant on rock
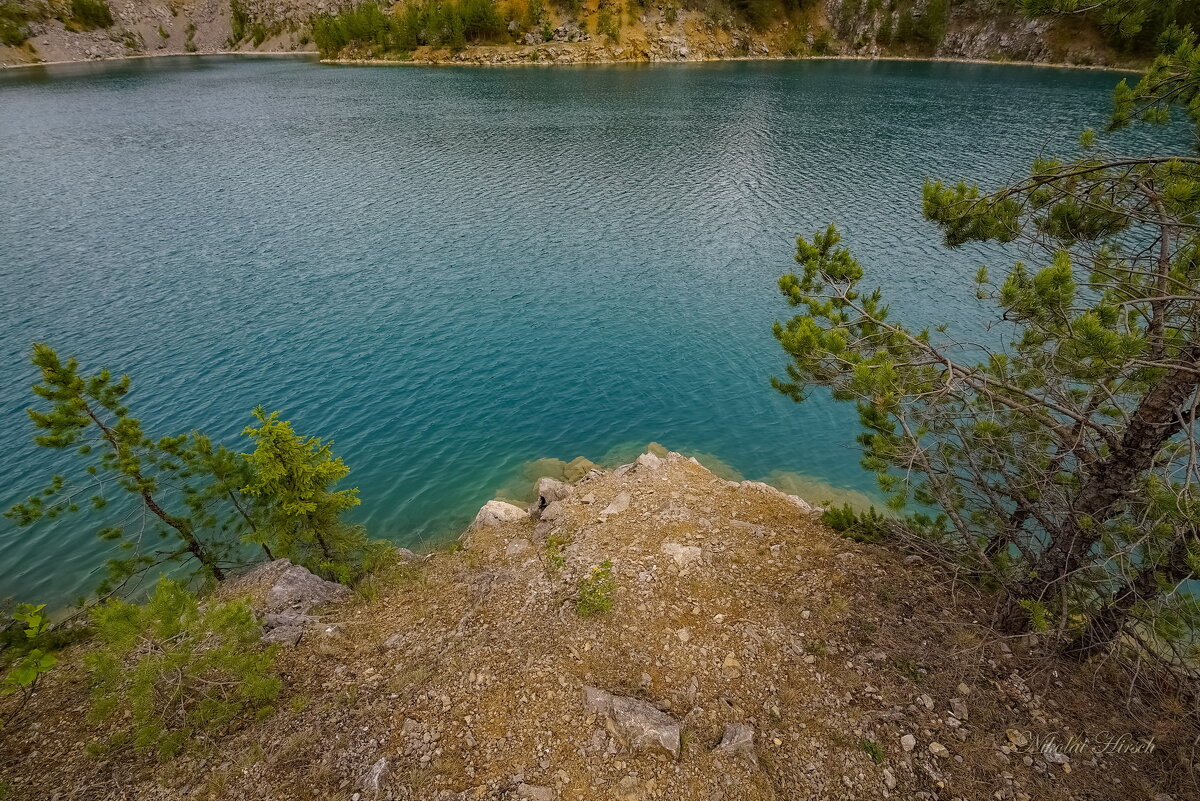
(608, 25)
(555, 548)
(596, 591)
(171, 668)
(28, 657)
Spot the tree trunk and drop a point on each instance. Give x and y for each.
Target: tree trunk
(1107, 624)
(193, 545)
(183, 527)
(1109, 482)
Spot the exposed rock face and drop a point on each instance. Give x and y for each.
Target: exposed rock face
(549, 491)
(638, 725)
(495, 513)
(292, 592)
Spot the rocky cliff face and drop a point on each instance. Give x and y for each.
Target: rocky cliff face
(974, 29)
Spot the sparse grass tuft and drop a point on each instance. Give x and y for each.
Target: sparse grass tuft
(596, 591)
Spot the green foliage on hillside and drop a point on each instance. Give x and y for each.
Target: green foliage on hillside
(14, 21)
(207, 502)
(903, 24)
(369, 30)
(90, 14)
(172, 668)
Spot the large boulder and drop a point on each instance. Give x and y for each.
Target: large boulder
(299, 590)
(550, 490)
(637, 725)
(495, 513)
(648, 461)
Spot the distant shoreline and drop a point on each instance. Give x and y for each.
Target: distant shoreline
(140, 56)
(532, 63)
(379, 62)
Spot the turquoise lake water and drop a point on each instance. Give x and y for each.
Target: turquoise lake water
(455, 271)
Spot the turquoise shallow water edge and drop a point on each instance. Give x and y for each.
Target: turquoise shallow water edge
(453, 272)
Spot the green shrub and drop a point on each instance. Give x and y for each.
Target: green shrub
(555, 548)
(293, 485)
(368, 30)
(259, 33)
(608, 25)
(13, 19)
(90, 14)
(171, 668)
(1039, 619)
(239, 19)
(596, 591)
(868, 526)
(26, 657)
(569, 7)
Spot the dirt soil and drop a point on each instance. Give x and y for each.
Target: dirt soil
(862, 672)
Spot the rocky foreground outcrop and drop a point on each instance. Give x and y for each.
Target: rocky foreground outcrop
(749, 654)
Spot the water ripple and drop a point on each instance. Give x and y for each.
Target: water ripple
(455, 271)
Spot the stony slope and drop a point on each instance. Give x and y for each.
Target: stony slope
(658, 31)
(750, 654)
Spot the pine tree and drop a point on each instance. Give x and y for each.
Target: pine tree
(87, 413)
(1064, 461)
(293, 479)
(1127, 21)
